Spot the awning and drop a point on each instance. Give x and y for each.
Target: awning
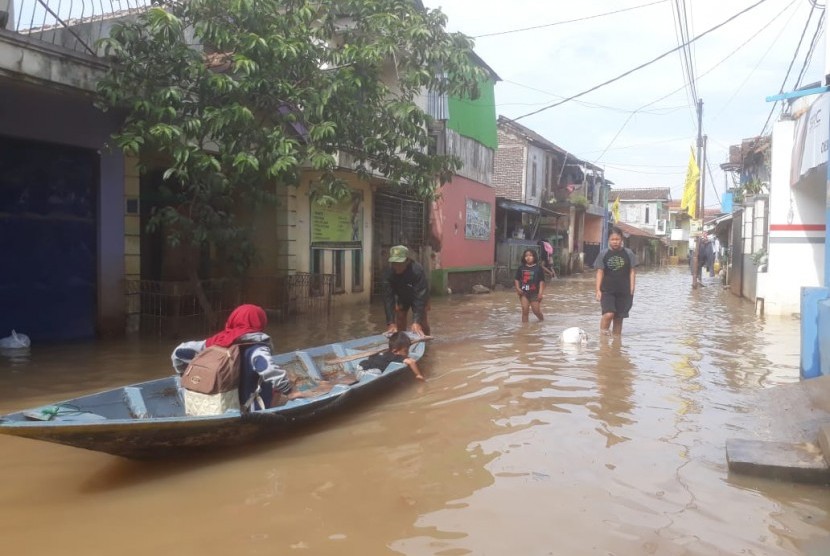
(516, 206)
(719, 224)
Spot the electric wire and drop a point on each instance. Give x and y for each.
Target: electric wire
(789, 69)
(657, 111)
(712, 181)
(722, 60)
(685, 63)
(810, 51)
(643, 65)
(569, 20)
(764, 55)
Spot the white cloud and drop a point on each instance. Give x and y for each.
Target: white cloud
(567, 59)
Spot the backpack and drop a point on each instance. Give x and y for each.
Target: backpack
(214, 370)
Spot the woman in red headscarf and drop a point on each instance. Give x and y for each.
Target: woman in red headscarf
(245, 326)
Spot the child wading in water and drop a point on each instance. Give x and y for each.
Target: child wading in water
(616, 279)
(530, 285)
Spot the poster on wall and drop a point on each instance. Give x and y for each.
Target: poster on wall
(341, 223)
(812, 135)
(478, 220)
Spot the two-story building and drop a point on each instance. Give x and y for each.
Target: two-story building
(649, 210)
(462, 234)
(544, 192)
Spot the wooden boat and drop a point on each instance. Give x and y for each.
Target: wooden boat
(147, 420)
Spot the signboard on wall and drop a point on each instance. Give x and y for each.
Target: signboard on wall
(811, 138)
(479, 219)
(339, 223)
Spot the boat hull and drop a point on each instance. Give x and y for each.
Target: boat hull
(147, 421)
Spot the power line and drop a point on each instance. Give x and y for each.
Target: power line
(712, 181)
(722, 60)
(764, 55)
(795, 55)
(810, 50)
(618, 169)
(685, 53)
(641, 66)
(569, 20)
(638, 145)
(666, 110)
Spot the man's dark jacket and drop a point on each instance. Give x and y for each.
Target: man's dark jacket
(408, 289)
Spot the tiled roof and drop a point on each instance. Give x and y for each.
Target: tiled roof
(529, 134)
(533, 137)
(644, 194)
(629, 230)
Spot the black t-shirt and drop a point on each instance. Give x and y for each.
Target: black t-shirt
(616, 267)
(529, 278)
(381, 360)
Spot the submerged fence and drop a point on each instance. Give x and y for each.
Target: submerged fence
(167, 307)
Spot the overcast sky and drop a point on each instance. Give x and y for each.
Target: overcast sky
(651, 147)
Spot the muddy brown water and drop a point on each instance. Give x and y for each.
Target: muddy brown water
(515, 445)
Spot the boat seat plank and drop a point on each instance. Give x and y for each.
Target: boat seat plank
(311, 368)
(135, 402)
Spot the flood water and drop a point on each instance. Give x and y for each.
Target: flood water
(514, 446)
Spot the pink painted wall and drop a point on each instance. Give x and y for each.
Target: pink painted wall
(456, 250)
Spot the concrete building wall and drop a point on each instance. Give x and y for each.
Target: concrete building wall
(535, 176)
(294, 233)
(796, 229)
(509, 166)
(459, 251)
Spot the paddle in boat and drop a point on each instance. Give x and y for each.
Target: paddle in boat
(148, 421)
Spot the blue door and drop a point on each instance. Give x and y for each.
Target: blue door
(48, 216)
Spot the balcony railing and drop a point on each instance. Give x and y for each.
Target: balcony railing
(72, 24)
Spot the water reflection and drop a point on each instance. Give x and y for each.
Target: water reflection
(515, 445)
(615, 387)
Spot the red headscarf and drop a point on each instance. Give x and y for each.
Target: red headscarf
(243, 320)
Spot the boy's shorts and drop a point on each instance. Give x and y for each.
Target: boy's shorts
(617, 303)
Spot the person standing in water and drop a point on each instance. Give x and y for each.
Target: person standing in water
(530, 285)
(615, 282)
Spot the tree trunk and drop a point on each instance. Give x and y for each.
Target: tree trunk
(204, 302)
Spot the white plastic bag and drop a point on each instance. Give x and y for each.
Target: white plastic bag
(15, 341)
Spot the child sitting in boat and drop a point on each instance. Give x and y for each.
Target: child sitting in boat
(398, 351)
(258, 374)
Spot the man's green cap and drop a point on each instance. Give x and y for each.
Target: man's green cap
(398, 254)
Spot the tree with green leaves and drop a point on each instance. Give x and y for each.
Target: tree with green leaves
(235, 97)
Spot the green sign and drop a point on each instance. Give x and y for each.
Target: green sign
(340, 223)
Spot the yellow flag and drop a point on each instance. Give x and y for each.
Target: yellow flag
(615, 210)
(689, 201)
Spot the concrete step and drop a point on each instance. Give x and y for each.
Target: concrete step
(802, 462)
(824, 440)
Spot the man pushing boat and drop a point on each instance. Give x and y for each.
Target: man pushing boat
(405, 287)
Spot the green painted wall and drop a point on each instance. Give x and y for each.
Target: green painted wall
(476, 119)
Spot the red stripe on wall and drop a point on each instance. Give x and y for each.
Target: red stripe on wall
(796, 227)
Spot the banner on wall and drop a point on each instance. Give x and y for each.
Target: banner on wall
(812, 132)
(341, 223)
(479, 219)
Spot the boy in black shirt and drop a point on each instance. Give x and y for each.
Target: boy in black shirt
(398, 352)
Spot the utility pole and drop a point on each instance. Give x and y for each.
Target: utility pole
(696, 261)
(703, 179)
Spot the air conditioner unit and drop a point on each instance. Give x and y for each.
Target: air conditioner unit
(661, 228)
